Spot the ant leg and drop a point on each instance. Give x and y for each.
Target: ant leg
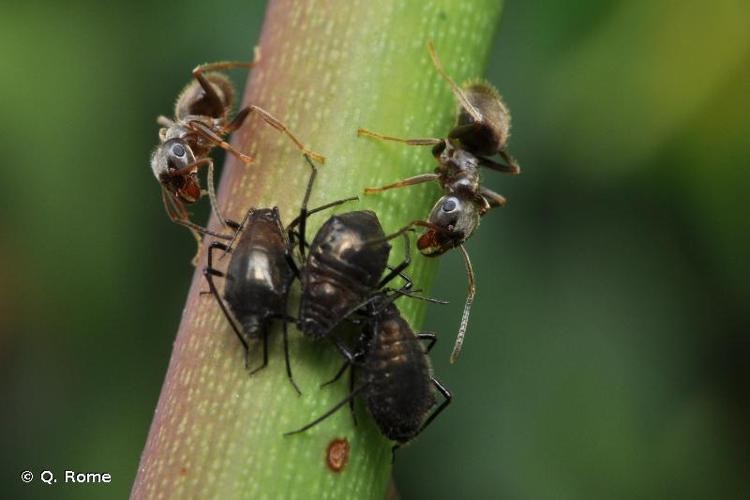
(428, 336)
(286, 357)
(492, 198)
(278, 125)
(465, 103)
(212, 192)
(330, 412)
(467, 306)
(265, 353)
(396, 271)
(208, 90)
(411, 181)
(164, 121)
(208, 134)
(180, 216)
(209, 272)
(510, 160)
(511, 168)
(429, 141)
(303, 208)
(237, 228)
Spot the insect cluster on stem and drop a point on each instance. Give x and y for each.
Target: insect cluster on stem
(343, 273)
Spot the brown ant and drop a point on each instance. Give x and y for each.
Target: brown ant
(482, 129)
(200, 124)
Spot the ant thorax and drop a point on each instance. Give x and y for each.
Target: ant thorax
(458, 169)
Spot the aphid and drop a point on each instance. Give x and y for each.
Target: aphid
(200, 124)
(481, 130)
(393, 374)
(259, 275)
(345, 265)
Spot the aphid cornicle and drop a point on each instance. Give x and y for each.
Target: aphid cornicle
(393, 374)
(260, 272)
(201, 122)
(482, 129)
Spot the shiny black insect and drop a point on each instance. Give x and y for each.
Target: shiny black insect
(201, 123)
(482, 129)
(391, 370)
(346, 261)
(259, 275)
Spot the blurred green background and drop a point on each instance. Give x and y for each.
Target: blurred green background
(607, 350)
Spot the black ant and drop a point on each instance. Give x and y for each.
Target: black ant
(394, 373)
(200, 124)
(259, 274)
(481, 130)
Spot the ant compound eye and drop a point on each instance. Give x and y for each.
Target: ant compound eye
(178, 150)
(449, 205)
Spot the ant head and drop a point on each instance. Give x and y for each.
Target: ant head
(169, 162)
(454, 219)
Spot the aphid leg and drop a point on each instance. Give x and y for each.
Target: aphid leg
(492, 198)
(286, 357)
(278, 125)
(330, 412)
(429, 141)
(465, 103)
(351, 390)
(265, 353)
(338, 375)
(431, 337)
(411, 181)
(396, 271)
(448, 398)
(467, 306)
(303, 208)
(209, 272)
(511, 167)
(211, 136)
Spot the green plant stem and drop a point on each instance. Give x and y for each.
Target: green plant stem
(327, 68)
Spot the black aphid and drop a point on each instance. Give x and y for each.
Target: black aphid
(392, 372)
(259, 275)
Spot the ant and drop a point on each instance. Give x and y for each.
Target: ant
(260, 272)
(482, 129)
(395, 375)
(200, 124)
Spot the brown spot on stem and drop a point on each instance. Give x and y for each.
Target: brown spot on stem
(337, 454)
(183, 471)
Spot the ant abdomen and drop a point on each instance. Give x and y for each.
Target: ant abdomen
(195, 101)
(491, 134)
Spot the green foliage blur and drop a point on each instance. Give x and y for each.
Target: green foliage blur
(608, 345)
